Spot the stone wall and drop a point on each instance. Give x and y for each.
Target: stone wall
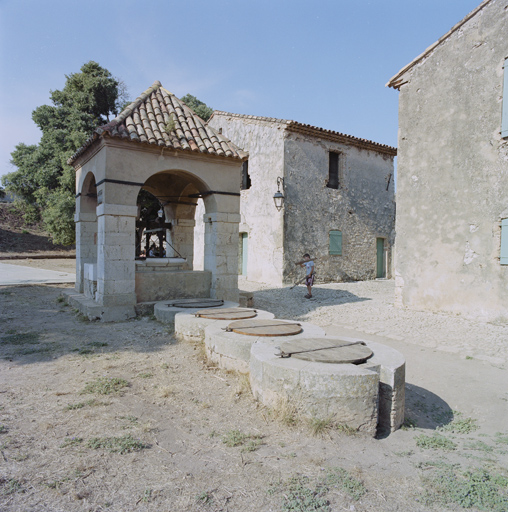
(452, 187)
(362, 208)
(259, 218)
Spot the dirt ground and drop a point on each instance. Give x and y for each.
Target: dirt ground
(181, 435)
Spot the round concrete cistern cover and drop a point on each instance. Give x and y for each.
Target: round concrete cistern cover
(265, 328)
(226, 313)
(195, 303)
(325, 350)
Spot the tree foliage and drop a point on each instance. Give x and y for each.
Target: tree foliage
(200, 108)
(43, 178)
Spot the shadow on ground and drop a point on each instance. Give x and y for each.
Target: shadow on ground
(291, 304)
(426, 410)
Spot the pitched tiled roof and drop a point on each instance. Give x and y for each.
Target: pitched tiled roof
(158, 117)
(314, 131)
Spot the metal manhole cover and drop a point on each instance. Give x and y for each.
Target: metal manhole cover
(196, 303)
(226, 313)
(326, 350)
(265, 328)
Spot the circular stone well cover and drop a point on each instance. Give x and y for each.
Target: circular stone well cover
(195, 303)
(326, 350)
(226, 313)
(265, 328)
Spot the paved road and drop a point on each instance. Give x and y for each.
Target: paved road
(16, 274)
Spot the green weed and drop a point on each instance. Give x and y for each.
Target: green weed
(27, 338)
(123, 444)
(10, 486)
(409, 424)
(147, 375)
(235, 438)
(501, 438)
(90, 403)
(435, 442)
(105, 386)
(3, 429)
(480, 446)
(476, 488)
(460, 425)
(71, 441)
(343, 480)
(204, 498)
(301, 495)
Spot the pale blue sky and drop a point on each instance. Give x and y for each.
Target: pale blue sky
(323, 63)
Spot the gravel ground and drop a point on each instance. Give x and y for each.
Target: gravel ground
(368, 306)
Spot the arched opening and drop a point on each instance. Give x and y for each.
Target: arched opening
(86, 237)
(165, 237)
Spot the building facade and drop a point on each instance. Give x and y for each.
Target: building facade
(338, 200)
(452, 171)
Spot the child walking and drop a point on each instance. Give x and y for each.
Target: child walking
(309, 273)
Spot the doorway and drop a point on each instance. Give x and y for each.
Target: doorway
(380, 258)
(243, 252)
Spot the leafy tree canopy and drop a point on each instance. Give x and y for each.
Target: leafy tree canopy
(200, 108)
(43, 178)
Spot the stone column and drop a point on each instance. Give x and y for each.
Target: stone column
(116, 268)
(221, 254)
(86, 244)
(183, 238)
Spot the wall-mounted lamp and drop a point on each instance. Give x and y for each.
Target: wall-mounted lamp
(278, 197)
(160, 213)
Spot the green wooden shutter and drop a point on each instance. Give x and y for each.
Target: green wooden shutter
(504, 242)
(335, 243)
(504, 122)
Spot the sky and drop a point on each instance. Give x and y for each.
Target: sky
(324, 63)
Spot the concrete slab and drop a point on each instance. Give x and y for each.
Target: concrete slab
(17, 274)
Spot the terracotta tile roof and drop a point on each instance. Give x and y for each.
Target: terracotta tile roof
(314, 131)
(158, 117)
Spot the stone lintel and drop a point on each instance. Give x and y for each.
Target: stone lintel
(85, 217)
(117, 210)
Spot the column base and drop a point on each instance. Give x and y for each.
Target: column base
(98, 312)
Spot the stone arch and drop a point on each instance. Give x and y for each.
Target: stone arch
(86, 235)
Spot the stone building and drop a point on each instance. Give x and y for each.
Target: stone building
(157, 144)
(452, 170)
(338, 200)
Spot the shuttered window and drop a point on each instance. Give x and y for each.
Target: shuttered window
(504, 123)
(504, 242)
(335, 243)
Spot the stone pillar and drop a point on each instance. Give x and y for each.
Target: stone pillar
(183, 238)
(221, 254)
(115, 260)
(86, 244)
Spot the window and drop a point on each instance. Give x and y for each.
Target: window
(504, 119)
(504, 242)
(335, 248)
(333, 170)
(245, 176)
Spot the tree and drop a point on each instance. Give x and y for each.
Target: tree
(200, 108)
(43, 178)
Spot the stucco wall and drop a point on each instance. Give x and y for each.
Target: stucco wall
(361, 208)
(452, 188)
(259, 218)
